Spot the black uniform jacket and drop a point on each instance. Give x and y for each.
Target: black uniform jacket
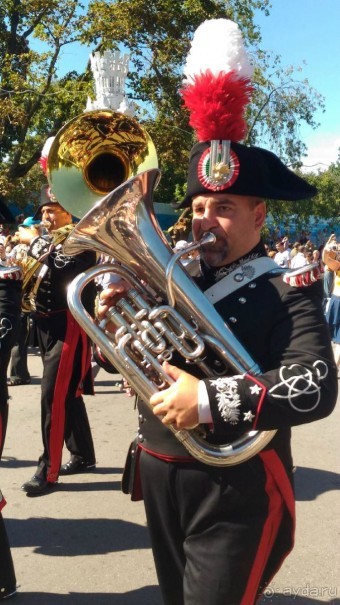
(60, 270)
(284, 329)
(10, 296)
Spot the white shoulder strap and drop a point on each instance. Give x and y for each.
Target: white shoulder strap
(244, 274)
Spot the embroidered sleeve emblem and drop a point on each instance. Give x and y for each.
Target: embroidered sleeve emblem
(248, 416)
(60, 260)
(5, 327)
(296, 381)
(255, 389)
(38, 247)
(228, 398)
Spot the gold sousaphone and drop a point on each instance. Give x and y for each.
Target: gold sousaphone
(93, 154)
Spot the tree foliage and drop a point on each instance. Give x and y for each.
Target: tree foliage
(325, 205)
(35, 103)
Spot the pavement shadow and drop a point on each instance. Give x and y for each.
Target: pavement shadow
(106, 392)
(10, 462)
(148, 595)
(108, 470)
(93, 486)
(311, 482)
(74, 537)
(293, 597)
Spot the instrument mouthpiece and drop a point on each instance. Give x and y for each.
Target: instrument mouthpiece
(208, 239)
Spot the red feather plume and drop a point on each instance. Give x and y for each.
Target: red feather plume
(217, 105)
(43, 164)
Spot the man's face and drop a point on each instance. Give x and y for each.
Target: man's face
(235, 220)
(280, 247)
(55, 216)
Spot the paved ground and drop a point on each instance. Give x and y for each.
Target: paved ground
(87, 543)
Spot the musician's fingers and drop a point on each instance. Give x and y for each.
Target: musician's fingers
(157, 398)
(160, 409)
(172, 371)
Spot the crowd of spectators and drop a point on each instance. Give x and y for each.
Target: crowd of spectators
(299, 254)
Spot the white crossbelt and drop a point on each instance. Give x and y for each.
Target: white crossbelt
(242, 275)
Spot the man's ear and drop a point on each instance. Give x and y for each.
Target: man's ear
(260, 215)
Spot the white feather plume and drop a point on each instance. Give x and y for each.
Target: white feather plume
(218, 46)
(47, 146)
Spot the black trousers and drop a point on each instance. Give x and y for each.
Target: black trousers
(8, 328)
(7, 574)
(63, 412)
(8, 324)
(212, 529)
(18, 367)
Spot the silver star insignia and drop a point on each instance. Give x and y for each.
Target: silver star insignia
(255, 389)
(248, 416)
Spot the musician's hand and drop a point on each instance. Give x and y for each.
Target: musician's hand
(109, 296)
(179, 403)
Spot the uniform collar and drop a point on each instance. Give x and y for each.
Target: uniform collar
(213, 275)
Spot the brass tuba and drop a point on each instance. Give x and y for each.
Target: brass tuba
(94, 153)
(90, 156)
(123, 226)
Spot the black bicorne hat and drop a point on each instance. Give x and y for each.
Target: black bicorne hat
(251, 171)
(46, 199)
(216, 91)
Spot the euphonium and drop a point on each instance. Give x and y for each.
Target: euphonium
(123, 226)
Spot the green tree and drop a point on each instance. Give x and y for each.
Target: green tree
(158, 37)
(34, 103)
(324, 205)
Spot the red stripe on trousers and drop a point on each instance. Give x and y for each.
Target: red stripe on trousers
(280, 494)
(56, 441)
(1, 433)
(2, 501)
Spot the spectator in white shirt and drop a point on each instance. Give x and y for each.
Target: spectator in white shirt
(282, 256)
(300, 259)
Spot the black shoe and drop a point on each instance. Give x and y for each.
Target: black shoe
(72, 467)
(36, 486)
(6, 593)
(14, 382)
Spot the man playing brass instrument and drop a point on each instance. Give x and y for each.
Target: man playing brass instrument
(220, 533)
(65, 351)
(19, 372)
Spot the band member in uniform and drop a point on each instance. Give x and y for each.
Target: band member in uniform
(220, 533)
(18, 370)
(331, 257)
(65, 351)
(10, 306)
